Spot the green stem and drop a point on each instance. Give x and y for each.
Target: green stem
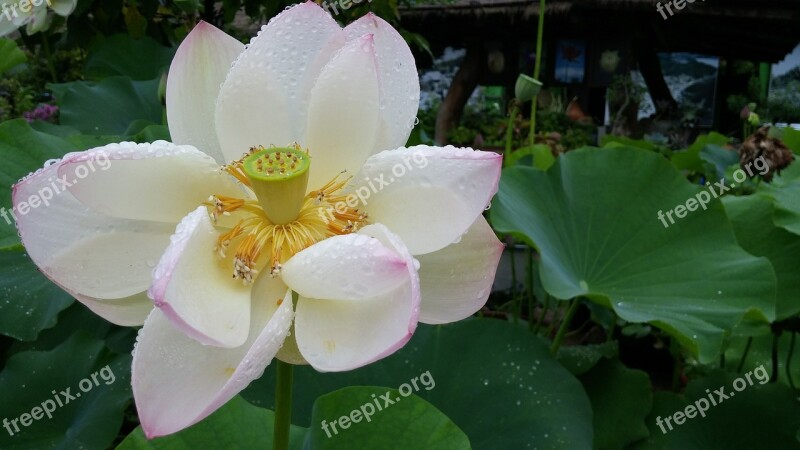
(512, 118)
(529, 278)
(537, 68)
(678, 368)
(789, 361)
(775, 338)
(512, 253)
(49, 56)
(562, 330)
(553, 320)
(744, 354)
(612, 327)
(542, 314)
(283, 405)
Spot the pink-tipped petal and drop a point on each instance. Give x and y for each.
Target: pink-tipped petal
(429, 196)
(125, 312)
(178, 382)
(339, 335)
(199, 68)
(456, 281)
(95, 257)
(350, 267)
(194, 290)
(265, 98)
(398, 78)
(343, 118)
(156, 182)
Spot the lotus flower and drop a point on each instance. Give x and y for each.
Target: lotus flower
(34, 15)
(327, 251)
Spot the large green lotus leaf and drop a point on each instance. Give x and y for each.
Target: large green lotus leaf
(717, 160)
(237, 425)
(593, 217)
(760, 416)
(609, 140)
(752, 221)
(621, 400)
(123, 55)
(496, 381)
(29, 302)
(108, 107)
(90, 420)
(791, 138)
(690, 159)
(406, 422)
(23, 150)
(10, 54)
(784, 191)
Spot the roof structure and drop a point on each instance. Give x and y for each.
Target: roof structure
(758, 30)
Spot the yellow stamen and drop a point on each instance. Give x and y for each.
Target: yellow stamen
(323, 214)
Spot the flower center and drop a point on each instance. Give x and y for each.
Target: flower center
(285, 219)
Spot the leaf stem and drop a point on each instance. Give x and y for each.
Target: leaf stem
(529, 281)
(48, 56)
(283, 405)
(512, 118)
(537, 69)
(744, 354)
(789, 361)
(562, 330)
(542, 314)
(775, 338)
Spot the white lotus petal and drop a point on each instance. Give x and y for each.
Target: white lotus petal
(62, 7)
(265, 98)
(159, 181)
(397, 75)
(194, 290)
(200, 66)
(83, 251)
(344, 112)
(177, 381)
(350, 267)
(456, 281)
(428, 196)
(338, 335)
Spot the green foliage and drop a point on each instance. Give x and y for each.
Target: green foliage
(408, 422)
(10, 55)
(620, 255)
(121, 55)
(494, 380)
(625, 398)
(29, 302)
(761, 416)
(236, 425)
(752, 219)
(109, 106)
(90, 420)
